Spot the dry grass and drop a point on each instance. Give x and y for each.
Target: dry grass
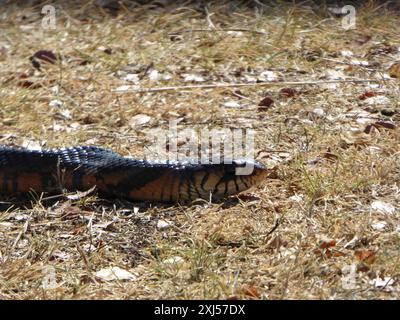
(301, 232)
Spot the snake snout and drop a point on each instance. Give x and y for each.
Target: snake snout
(240, 175)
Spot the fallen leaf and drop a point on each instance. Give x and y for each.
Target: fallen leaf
(367, 94)
(362, 267)
(330, 156)
(176, 260)
(383, 207)
(163, 224)
(325, 243)
(357, 62)
(379, 124)
(288, 92)
(265, 103)
(366, 256)
(357, 138)
(251, 291)
(115, 273)
(28, 84)
(318, 112)
(193, 78)
(44, 55)
(267, 76)
(362, 39)
(394, 70)
(105, 50)
(380, 283)
(59, 256)
(346, 53)
(379, 225)
(108, 226)
(154, 75)
(369, 128)
(139, 120)
(132, 77)
(385, 124)
(231, 104)
(55, 103)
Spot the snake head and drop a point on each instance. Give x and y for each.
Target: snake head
(228, 178)
(247, 173)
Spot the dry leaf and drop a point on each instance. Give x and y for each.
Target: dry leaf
(131, 77)
(385, 124)
(366, 256)
(193, 78)
(379, 225)
(163, 224)
(251, 291)
(394, 70)
(386, 282)
(28, 84)
(383, 207)
(362, 39)
(357, 138)
(325, 243)
(265, 103)
(139, 120)
(288, 92)
(362, 267)
(175, 260)
(267, 76)
(43, 55)
(59, 256)
(231, 104)
(114, 273)
(367, 94)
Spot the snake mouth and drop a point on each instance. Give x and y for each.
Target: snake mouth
(238, 176)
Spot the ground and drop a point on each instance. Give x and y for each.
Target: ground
(324, 225)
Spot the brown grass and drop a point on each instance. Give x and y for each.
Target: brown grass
(299, 234)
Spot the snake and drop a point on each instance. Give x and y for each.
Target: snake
(81, 168)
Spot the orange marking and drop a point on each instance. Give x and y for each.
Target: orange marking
(212, 181)
(90, 181)
(67, 180)
(2, 183)
(28, 181)
(157, 190)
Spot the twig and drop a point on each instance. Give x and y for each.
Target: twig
(20, 234)
(83, 256)
(277, 222)
(220, 30)
(233, 85)
(208, 17)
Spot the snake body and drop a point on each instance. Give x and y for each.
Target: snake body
(83, 167)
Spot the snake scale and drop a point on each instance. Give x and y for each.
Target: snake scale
(84, 167)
